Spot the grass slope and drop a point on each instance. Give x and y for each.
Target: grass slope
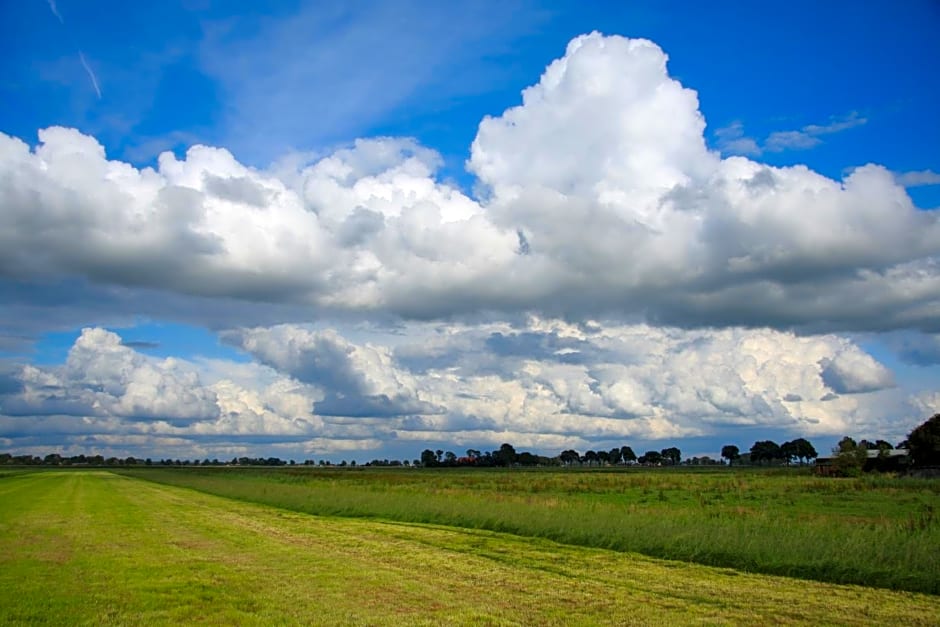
(873, 531)
(97, 548)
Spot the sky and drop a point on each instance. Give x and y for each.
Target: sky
(358, 231)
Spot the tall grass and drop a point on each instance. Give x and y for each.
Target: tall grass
(882, 532)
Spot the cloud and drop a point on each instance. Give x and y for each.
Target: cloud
(632, 381)
(855, 372)
(102, 377)
(357, 381)
(917, 178)
(237, 189)
(605, 122)
(55, 11)
(316, 391)
(90, 72)
(140, 344)
(836, 125)
(923, 405)
(598, 198)
(733, 141)
(779, 141)
(105, 388)
(809, 135)
(9, 381)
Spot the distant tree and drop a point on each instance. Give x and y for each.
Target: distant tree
(603, 457)
(590, 457)
(850, 457)
(439, 455)
(651, 458)
(627, 454)
(731, 453)
(614, 456)
(506, 455)
(525, 458)
(428, 458)
(924, 443)
(803, 450)
(569, 457)
(672, 455)
(473, 454)
(846, 445)
(788, 451)
(765, 450)
(450, 458)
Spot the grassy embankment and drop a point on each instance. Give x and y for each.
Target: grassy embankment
(874, 531)
(87, 547)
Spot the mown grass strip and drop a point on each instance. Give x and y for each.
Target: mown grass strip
(883, 533)
(96, 548)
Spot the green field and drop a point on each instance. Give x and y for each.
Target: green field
(87, 547)
(874, 531)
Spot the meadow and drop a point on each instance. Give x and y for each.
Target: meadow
(874, 530)
(94, 547)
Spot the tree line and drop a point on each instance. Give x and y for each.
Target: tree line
(923, 444)
(769, 451)
(507, 455)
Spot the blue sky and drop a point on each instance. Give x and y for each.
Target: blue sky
(288, 90)
(164, 71)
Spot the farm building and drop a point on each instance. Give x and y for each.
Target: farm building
(888, 460)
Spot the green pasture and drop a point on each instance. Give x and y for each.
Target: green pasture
(874, 530)
(87, 547)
